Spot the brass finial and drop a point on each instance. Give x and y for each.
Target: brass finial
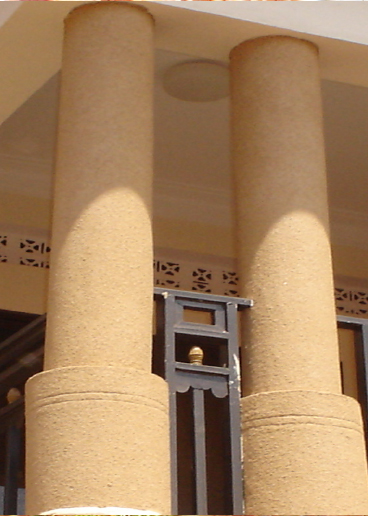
(195, 355)
(13, 395)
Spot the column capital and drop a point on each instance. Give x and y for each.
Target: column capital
(270, 40)
(108, 5)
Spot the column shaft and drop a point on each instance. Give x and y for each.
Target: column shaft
(293, 415)
(97, 418)
(282, 216)
(101, 282)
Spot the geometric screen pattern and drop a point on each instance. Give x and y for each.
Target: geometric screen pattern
(176, 274)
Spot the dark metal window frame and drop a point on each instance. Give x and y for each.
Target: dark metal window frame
(27, 341)
(30, 339)
(360, 328)
(222, 381)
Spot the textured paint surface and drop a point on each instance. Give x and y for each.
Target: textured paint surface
(97, 421)
(97, 436)
(100, 309)
(304, 451)
(282, 217)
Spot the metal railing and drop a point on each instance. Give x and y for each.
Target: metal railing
(21, 356)
(201, 366)
(12, 430)
(360, 329)
(200, 362)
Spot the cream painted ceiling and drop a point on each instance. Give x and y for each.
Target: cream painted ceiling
(192, 176)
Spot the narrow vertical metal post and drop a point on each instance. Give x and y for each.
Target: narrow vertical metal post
(200, 468)
(234, 413)
(13, 446)
(364, 329)
(169, 336)
(220, 379)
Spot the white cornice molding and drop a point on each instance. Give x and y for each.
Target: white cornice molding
(212, 206)
(7, 9)
(193, 203)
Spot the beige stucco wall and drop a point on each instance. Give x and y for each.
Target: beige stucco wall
(22, 288)
(195, 237)
(179, 234)
(347, 261)
(23, 210)
(351, 262)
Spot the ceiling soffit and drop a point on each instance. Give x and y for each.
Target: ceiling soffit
(31, 39)
(192, 178)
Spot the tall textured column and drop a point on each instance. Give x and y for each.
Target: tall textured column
(97, 419)
(303, 441)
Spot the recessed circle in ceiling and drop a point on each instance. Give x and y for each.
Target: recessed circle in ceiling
(197, 81)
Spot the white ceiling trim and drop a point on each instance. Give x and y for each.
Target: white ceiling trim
(30, 46)
(7, 9)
